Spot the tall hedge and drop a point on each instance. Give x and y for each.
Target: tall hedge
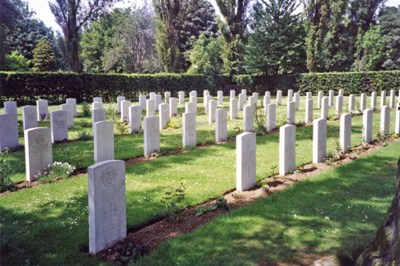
(261, 84)
(56, 87)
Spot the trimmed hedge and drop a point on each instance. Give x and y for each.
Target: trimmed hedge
(27, 87)
(350, 82)
(261, 84)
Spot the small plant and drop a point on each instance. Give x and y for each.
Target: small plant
(6, 170)
(85, 135)
(128, 252)
(175, 123)
(121, 128)
(85, 109)
(260, 124)
(220, 203)
(111, 112)
(172, 201)
(56, 170)
(85, 123)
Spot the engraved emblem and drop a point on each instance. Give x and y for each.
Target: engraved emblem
(110, 176)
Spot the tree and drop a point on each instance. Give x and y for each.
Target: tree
(233, 28)
(389, 20)
(372, 47)
(385, 249)
(71, 15)
(44, 58)
(16, 62)
(9, 14)
(276, 45)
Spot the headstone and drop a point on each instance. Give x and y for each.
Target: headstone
(339, 105)
(248, 118)
(296, 98)
(287, 149)
(290, 95)
(209, 98)
(320, 96)
(72, 102)
(98, 115)
(193, 94)
(279, 97)
(221, 125)
(193, 99)
(385, 120)
(119, 101)
(373, 100)
(158, 101)
(135, 119)
(367, 126)
(152, 96)
(345, 132)
(244, 91)
(271, 117)
(107, 204)
(267, 93)
(150, 107)
(253, 101)
(38, 151)
(211, 113)
(167, 96)
(220, 95)
(103, 138)
(173, 106)
(331, 98)
(59, 126)
(233, 108)
(189, 130)
(10, 107)
(319, 140)
(206, 93)
(70, 114)
(291, 113)
(96, 105)
(190, 107)
(232, 94)
(383, 98)
(42, 110)
(325, 108)
(29, 116)
(309, 114)
(8, 131)
(164, 115)
(151, 135)
(97, 100)
(125, 110)
(266, 101)
(181, 97)
(341, 92)
(308, 95)
(245, 161)
(352, 103)
(142, 101)
(397, 122)
(241, 101)
(392, 102)
(363, 102)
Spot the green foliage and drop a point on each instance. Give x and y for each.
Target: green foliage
(17, 62)
(86, 109)
(6, 170)
(128, 252)
(389, 20)
(121, 127)
(44, 58)
(277, 44)
(85, 135)
(55, 171)
(260, 83)
(220, 203)
(172, 201)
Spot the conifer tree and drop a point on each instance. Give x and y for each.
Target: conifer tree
(44, 58)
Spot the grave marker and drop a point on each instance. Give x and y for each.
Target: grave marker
(287, 149)
(103, 139)
(245, 161)
(59, 126)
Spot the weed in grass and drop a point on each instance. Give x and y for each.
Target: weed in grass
(175, 123)
(260, 124)
(128, 252)
(56, 170)
(172, 201)
(121, 127)
(111, 112)
(220, 203)
(85, 135)
(85, 123)
(85, 109)
(6, 170)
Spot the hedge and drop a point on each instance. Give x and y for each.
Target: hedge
(56, 87)
(261, 84)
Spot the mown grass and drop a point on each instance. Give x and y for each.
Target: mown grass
(48, 224)
(335, 213)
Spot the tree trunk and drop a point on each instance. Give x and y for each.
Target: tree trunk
(385, 249)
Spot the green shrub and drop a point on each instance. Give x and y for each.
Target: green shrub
(54, 171)
(86, 110)
(6, 169)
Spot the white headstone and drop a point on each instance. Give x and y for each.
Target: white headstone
(190, 107)
(135, 119)
(96, 105)
(331, 98)
(150, 107)
(242, 99)
(164, 115)
(142, 101)
(244, 91)
(287, 149)
(38, 151)
(221, 125)
(385, 120)
(220, 97)
(103, 138)
(383, 98)
(297, 100)
(392, 102)
(10, 107)
(373, 100)
(8, 131)
(279, 97)
(59, 126)
(325, 108)
(397, 122)
(107, 204)
(193, 99)
(339, 105)
(319, 140)
(341, 92)
(345, 132)
(232, 94)
(290, 95)
(363, 102)
(125, 110)
(233, 108)
(97, 100)
(367, 126)
(308, 95)
(271, 117)
(98, 115)
(152, 96)
(151, 136)
(29, 116)
(158, 101)
(181, 97)
(167, 96)
(211, 113)
(72, 101)
(119, 101)
(173, 106)
(320, 96)
(70, 114)
(189, 130)
(309, 114)
(291, 113)
(42, 109)
(248, 118)
(352, 103)
(266, 101)
(245, 161)
(193, 94)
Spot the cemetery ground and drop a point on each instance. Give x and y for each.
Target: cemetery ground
(47, 224)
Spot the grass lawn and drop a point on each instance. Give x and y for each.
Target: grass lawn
(48, 224)
(336, 212)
